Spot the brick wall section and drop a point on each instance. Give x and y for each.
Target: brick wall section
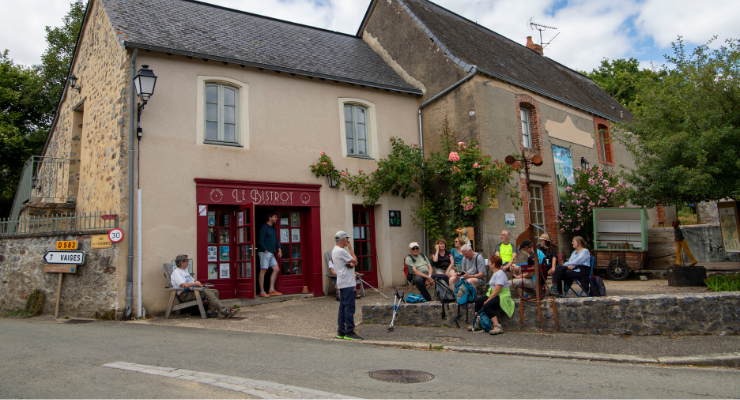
(523, 100)
(608, 157)
(102, 69)
(660, 216)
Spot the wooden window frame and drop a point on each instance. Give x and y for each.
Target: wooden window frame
(355, 140)
(526, 137)
(604, 147)
(221, 87)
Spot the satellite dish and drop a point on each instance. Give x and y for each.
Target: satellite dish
(509, 160)
(537, 160)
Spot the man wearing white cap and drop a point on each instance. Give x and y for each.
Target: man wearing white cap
(344, 261)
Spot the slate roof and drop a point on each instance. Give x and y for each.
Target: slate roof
(212, 32)
(469, 44)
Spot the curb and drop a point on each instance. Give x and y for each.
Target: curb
(718, 360)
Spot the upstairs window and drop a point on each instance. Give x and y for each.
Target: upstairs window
(221, 114)
(356, 131)
(526, 128)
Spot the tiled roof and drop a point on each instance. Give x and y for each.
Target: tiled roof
(203, 30)
(470, 44)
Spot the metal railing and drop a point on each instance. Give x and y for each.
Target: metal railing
(47, 180)
(59, 223)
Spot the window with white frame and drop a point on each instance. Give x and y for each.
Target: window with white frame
(526, 130)
(222, 109)
(536, 207)
(356, 130)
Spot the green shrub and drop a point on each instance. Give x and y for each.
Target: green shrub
(723, 283)
(17, 313)
(35, 302)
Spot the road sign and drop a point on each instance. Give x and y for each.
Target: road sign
(65, 257)
(100, 242)
(70, 269)
(115, 235)
(67, 245)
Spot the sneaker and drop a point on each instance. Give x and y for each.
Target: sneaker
(497, 330)
(352, 336)
(476, 326)
(263, 294)
(554, 290)
(275, 293)
(340, 336)
(231, 312)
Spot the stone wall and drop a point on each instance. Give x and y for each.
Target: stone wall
(689, 314)
(92, 289)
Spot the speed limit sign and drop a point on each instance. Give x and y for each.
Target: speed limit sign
(115, 235)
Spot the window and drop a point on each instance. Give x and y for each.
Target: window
(526, 128)
(601, 144)
(221, 114)
(355, 125)
(536, 208)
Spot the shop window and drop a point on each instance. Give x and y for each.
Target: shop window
(358, 130)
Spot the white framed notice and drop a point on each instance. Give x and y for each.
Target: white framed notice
(284, 235)
(224, 271)
(212, 253)
(295, 235)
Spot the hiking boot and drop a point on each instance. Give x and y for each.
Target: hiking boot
(352, 336)
(231, 312)
(263, 294)
(275, 293)
(497, 329)
(340, 336)
(554, 290)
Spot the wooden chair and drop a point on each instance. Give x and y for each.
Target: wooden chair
(173, 295)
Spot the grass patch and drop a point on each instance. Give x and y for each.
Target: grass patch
(18, 313)
(723, 283)
(106, 316)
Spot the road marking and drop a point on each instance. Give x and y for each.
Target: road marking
(261, 389)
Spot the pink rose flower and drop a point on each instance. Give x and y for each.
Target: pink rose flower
(359, 171)
(454, 156)
(325, 163)
(321, 153)
(467, 198)
(475, 165)
(344, 174)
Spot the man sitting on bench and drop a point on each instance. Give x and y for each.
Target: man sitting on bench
(181, 278)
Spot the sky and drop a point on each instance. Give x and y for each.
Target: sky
(588, 30)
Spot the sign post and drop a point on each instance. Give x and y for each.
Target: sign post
(62, 262)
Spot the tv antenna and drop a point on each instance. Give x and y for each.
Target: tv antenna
(535, 26)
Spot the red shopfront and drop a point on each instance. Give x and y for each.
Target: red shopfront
(230, 215)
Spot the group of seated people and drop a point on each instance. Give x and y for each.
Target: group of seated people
(462, 261)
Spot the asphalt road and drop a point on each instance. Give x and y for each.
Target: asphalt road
(45, 360)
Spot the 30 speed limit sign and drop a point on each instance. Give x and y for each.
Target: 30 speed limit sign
(115, 235)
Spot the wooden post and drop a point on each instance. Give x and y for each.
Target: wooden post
(59, 295)
(60, 269)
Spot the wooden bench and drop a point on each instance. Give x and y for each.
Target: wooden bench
(173, 295)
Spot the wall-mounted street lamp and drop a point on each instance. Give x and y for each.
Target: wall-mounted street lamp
(584, 163)
(144, 81)
(73, 83)
(332, 180)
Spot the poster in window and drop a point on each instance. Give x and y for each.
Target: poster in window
(563, 168)
(212, 253)
(283, 222)
(211, 218)
(224, 253)
(728, 227)
(240, 218)
(224, 270)
(295, 235)
(510, 220)
(295, 219)
(212, 271)
(284, 235)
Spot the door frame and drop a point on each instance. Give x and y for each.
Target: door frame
(370, 278)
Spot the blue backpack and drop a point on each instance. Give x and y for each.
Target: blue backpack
(464, 291)
(485, 323)
(414, 298)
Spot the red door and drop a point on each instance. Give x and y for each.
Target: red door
(244, 257)
(291, 235)
(220, 250)
(363, 237)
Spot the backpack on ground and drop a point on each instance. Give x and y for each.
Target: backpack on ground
(464, 291)
(414, 298)
(444, 294)
(410, 272)
(597, 288)
(485, 323)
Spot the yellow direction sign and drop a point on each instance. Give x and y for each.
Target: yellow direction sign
(67, 245)
(100, 242)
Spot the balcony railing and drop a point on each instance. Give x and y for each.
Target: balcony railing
(47, 180)
(59, 223)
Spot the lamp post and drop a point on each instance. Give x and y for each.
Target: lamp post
(584, 163)
(144, 81)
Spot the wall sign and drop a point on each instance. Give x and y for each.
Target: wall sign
(510, 220)
(394, 218)
(563, 168)
(100, 242)
(258, 193)
(728, 226)
(67, 245)
(65, 257)
(115, 235)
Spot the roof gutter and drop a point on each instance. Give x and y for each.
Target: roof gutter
(439, 95)
(131, 122)
(292, 71)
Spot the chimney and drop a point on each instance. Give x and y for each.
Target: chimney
(535, 47)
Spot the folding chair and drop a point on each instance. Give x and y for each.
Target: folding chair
(570, 288)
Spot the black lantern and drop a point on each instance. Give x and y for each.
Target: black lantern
(584, 163)
(144, 82)
(333, 180)
(73, 83)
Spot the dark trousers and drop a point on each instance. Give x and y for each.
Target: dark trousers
(420, 284)
(209, 295)
(488, 308)
(346, 316)
(562, 273)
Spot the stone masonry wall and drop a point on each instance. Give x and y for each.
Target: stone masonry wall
(102, 68)
(92, 289)
(689, 314)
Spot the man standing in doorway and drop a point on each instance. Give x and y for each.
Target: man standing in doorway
(507, 251)
(344, 261)
(268, 245)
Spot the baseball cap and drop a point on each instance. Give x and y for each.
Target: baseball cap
(525, 243)
(341, 235)
(413, 244)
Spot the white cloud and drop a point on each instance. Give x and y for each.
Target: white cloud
(696, 21)
(22, 27)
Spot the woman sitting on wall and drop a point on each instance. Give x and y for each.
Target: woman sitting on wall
(577, 267)
(457, 258)
(498, 296)
(442, 259)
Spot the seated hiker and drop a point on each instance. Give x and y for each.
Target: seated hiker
(506, 250)
(457, 258)
(473, 268)
(420, 267)
(577, 267)
(442, 259)
(182, 278)
(498, 296)
(527, 279)
(551, 253)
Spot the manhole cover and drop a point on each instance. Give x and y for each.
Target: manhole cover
(401, 376)
(79, 321)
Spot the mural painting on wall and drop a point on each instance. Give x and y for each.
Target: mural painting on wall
(728, 226)
(563, 168)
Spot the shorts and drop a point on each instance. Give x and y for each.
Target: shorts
(267, 260)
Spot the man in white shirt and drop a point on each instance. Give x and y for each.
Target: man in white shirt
(344, 261)
(182, 278)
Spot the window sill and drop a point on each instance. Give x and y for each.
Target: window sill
(359, 156)
(217, 143)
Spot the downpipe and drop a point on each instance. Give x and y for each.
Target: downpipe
(131, 123)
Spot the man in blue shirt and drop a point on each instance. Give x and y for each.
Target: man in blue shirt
(267, 245)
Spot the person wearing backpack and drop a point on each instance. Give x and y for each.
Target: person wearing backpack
(473, 268)
(498, 296)
(419, 266)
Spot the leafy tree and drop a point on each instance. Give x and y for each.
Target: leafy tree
(685, 137)
(622, 78)
(57, 58)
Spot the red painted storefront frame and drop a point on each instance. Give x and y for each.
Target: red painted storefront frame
(210, 192)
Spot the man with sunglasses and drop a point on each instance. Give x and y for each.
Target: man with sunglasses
(420, 266)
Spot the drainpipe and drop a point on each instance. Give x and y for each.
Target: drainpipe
(131, 122)
(421, 132)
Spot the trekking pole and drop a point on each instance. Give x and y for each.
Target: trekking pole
(395, 309)
(371, 287)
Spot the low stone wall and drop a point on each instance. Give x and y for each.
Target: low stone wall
(91, 289)
(690, 314)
